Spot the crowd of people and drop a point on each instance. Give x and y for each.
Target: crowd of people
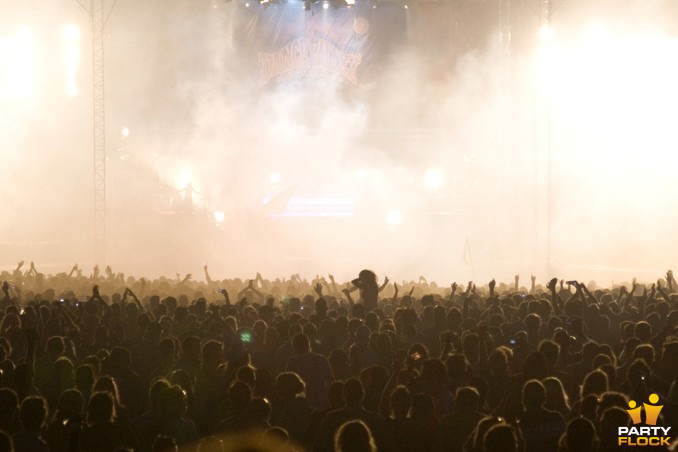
(105, 362)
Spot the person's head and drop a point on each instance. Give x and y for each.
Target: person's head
(551, 351)
(354, 436)
(367, 277)
(211, 444)
(301, 343)
(670, 358)
(32, 413)
(610, 421)
(172, 402)
(353, 392)
(534, 394)
(335, 394)
(246, 374)
(9, 402)
(190, 348)
(54, 346)
(401, 401)
(154, 392)
(580, 435)
(595, 383)
(556, 397)
(467, 399)
(6, 443)
(212, 354)
(101, 408)
(84, 377)
(289, 385)
(500, 438)
(240, 396)
(164, 444)
(535, 366)
(108, 384)
(71, 402)
(422, 406)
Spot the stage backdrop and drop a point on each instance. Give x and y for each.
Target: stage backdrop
(346, 46)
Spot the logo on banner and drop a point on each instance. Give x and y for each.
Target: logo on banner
(309, 57)
(650, 434)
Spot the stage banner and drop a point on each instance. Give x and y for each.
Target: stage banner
(346, 46)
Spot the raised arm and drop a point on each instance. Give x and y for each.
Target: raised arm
(74, 269)
(383, 286)
(556, 302)
(207, 275)
(465, 296)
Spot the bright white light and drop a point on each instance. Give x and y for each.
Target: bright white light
(433, 179)
(546, 34)
(71, 32)
(219, 217)
(405, 6)
(326, 5)
(124, 132)
(182, 179)
(350, 2)
(71, 89)
(247, 5)
(275, 177)
(71, 57)
(18, 64)
(394, 217)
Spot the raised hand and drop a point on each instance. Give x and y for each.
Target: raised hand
(386, 280)
(492, 285)
(318, 289)
(469, 286)
(552, 284)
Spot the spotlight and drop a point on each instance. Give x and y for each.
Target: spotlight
(433, 179)
(394, 217)
(247, 5)
(275, 177)
(124, 132)
(71, 32)
(71, 89)
(326, 5)
(405, 6)
(546, 34)
(219, 217)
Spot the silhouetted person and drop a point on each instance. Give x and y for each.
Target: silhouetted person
(101, 433)
(541, 429)
(314, 370)
(33, 413)
(354, 436)
(63, 432)
(366, 282)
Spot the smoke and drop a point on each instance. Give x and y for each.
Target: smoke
(441, 169)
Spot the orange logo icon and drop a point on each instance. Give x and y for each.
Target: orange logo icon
(651, 411)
